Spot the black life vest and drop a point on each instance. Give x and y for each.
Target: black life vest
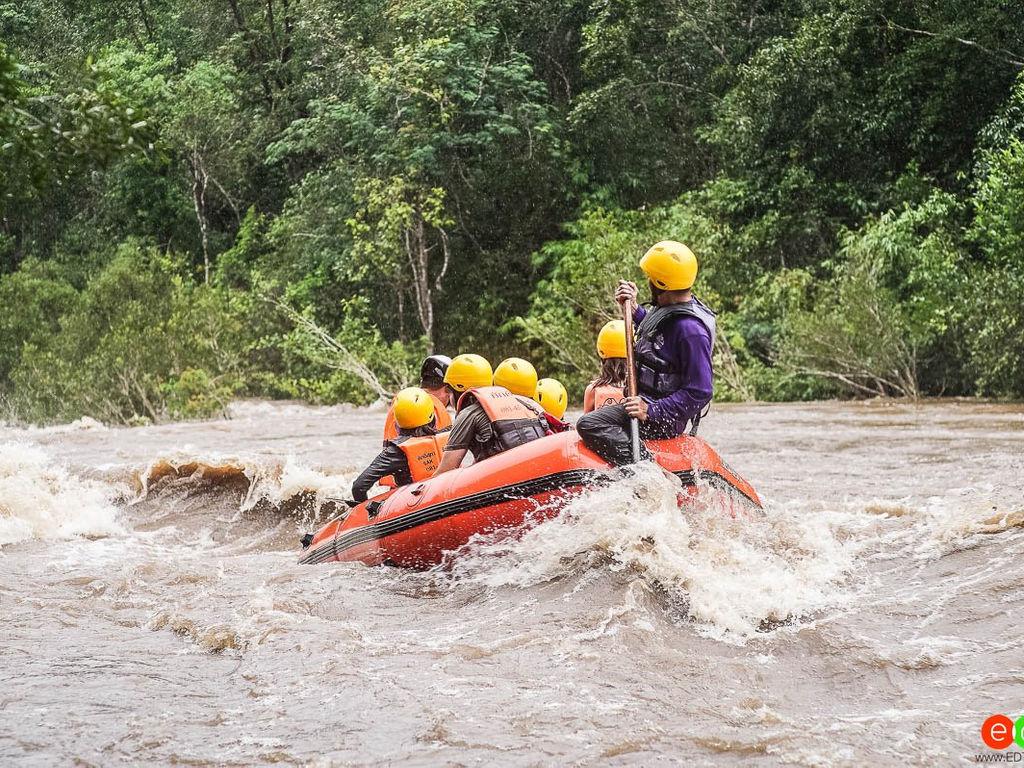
(657, 375)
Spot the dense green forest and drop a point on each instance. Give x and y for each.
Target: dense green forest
(206, 199)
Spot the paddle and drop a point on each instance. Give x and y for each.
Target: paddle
(634, 425)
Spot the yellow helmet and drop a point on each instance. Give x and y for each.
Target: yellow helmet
(611, 341)
(468, 372)
(516, 375)
(413, 408)
(552, 397)
(670, 265)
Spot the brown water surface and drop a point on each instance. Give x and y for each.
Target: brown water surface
(151, 611)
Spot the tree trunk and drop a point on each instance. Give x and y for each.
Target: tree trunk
(418, 252)
(200, 180)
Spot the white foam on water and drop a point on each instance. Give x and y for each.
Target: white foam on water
(946, 522)
(734, 573)
(735, 576)
(270, 481)
(83, 424)
(296, 478)
(41, 499)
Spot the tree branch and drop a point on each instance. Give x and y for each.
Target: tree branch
(344, 360)
(1001, 54)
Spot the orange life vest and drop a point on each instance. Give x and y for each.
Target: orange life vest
(606, 394)
(422, 453)
(441, 420)
(512, 422)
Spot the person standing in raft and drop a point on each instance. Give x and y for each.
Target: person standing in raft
(415, 452)
(673, 359)
(432, 381)
(488, 419)
(609, 387)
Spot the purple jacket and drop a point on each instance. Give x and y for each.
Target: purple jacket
(688, 344)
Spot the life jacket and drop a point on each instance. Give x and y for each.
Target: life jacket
(422, 453)
(512, 423)
(441, 420)
(606, 394)
(656, 373)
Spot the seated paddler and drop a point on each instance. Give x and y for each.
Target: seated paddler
(674, 339)
(519, 377)
(552, 397)
(432, 381)
(610, 386)
(489, 419)
(415, 452)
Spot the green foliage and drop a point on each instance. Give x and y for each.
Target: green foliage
(138, 341)
(433, 140)
(653, 73)
(236, 265)
(856, 334)
(51, 136)
(355, 364)
(997, 326)
(889, 307)
(32, 301)
(195, 394)
(396, 177)
(755, 331)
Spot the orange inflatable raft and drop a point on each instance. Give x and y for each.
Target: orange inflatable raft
(417, 525)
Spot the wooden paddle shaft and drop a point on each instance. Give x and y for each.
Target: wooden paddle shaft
(627, 318)
(634, 425)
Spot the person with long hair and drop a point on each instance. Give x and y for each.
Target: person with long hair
(609, 387)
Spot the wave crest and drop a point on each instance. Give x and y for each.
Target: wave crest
(286, 488)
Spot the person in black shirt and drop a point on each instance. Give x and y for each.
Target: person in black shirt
(414, 454)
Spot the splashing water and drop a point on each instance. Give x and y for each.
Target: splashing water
(41, 499)
(734, 573)
(868, 616)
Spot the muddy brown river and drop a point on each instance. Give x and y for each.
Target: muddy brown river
(152, 612)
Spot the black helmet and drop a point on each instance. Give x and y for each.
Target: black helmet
(433, 370)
